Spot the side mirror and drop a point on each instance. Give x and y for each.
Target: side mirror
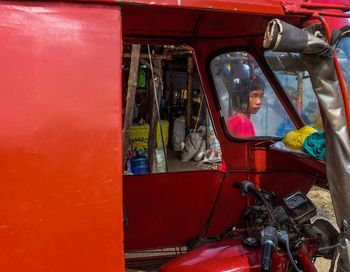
(283, 37)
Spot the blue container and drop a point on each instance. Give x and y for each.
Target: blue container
(139, 165)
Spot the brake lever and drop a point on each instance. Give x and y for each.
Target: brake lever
(246, 187)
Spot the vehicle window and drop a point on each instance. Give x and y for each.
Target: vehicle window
(248, 103)
(343, 53)
(176, 135)
(296, 83)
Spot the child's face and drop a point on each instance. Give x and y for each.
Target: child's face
(256, 98)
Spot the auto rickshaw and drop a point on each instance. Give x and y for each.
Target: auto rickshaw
(65, 199)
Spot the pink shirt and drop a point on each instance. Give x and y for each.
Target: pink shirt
(240, 126)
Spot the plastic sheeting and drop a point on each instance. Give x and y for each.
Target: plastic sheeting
(326, 86)
(321, 69)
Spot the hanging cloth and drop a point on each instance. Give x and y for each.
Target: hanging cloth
(141, 78)
(315, 145)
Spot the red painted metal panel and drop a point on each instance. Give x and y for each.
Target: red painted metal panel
(272, 7)
(268, 170)
(256, 6)
(168, 209)
(264, 7)
(230, 205)
(264, 159)
(60, 144)
(163, 22)
(228, 255)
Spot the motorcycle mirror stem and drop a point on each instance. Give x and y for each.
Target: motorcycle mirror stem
(247, 187)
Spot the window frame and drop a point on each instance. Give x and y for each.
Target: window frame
(270, 78)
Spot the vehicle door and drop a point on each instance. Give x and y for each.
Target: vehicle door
(60, 197)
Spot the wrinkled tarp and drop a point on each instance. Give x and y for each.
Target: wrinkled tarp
(321, 68)
(326, 86)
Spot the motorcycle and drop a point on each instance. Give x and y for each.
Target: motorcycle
(279, 236)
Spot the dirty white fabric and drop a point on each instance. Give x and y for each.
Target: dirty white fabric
(326, 86)
(193, 144)
(178, 135)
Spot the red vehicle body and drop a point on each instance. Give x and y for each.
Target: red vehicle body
(62, 185)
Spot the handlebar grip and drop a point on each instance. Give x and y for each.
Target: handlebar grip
(269, 241)
(247, 187)
(266, 258)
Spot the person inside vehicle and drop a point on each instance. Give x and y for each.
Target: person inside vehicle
(246, 99)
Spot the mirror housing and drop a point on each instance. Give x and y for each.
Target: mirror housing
(283, 37)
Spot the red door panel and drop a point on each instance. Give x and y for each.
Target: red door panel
(60, 144)
(168, 209)
(253, 160)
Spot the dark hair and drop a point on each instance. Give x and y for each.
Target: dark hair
(256, 84)
(239, 97)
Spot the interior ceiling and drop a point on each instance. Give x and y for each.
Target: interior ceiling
(157, 22)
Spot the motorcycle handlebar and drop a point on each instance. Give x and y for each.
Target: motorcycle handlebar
(269, 240)
(266, 258)
(270, 235)
(247, 187)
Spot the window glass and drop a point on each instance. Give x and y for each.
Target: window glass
(248, 103)
(296, 83)
(343, 53)
(178, 134)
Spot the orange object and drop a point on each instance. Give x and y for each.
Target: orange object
(61, 195)
(60, 170)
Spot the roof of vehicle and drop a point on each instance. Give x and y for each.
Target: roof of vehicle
(270, 7)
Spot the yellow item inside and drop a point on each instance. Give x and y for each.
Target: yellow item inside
(139, 136)
(295, 138)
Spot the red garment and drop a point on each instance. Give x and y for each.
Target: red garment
(240, 126)
(222, 166)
